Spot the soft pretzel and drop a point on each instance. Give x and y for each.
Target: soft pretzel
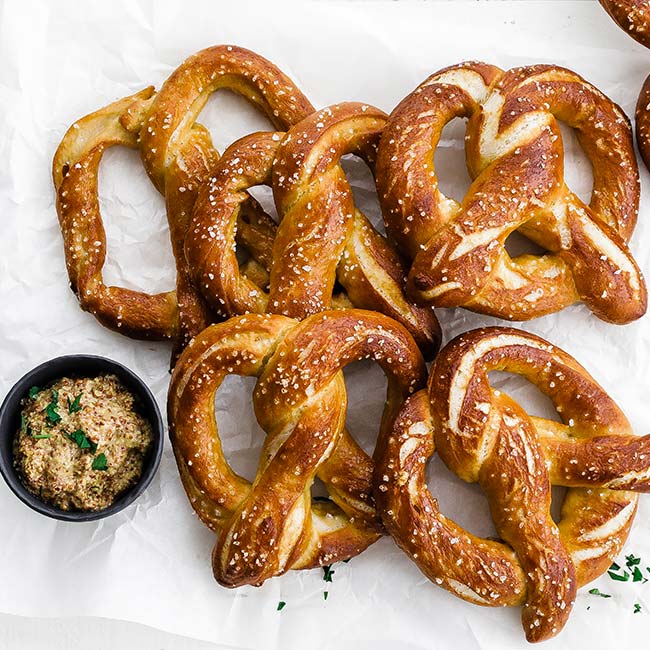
(178, 154)
(75, 171)
(515, 155)
(484, 436)
(322, 238)
(273, 525)
(632, 16)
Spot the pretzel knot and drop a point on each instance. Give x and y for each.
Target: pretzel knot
(484, 436)
(273, 525)
(515, 155)
(322, 240)
(178, 154)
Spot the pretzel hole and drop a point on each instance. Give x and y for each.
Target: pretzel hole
(449, 160)
(364, 191)
(464, 503)
(241, 436)
(138, 249)
(228, 117)
(365, 383)
(264, 196)
(525, 393)
(517, 244)
(578, 172)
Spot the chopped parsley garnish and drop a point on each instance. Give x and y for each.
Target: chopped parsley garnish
(34, 391)
(637, 576)
(621, 577)
(51, 413)
(597, 592)
(631, 561)
(328, 572)
(100, 463)
(637, 608)
(41, 436)
(75, 405)
(82, 440)
(23, 423)
(325, 595)
(281, 605)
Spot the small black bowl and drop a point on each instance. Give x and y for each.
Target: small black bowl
(77, 365)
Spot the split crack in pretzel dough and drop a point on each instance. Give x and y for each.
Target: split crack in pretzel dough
(273, 525)
(484, 436)
(515, 156)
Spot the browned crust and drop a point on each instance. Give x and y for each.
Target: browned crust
(75, 169)
(642, 119)
(486, 437)
(323, 238)
(632, 16)
(272, 525)
(151, 122)
(515, 155)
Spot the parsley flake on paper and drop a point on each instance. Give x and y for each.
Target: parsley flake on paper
(328, 572)
(281, 605)
(598, 592)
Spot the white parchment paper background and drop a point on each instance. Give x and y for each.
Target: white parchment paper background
(59, 61)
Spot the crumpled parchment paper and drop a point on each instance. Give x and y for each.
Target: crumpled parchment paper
(151, 563)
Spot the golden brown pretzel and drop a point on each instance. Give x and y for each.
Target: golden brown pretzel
(642, 119)
(632, 16)
(515, 154)
(484, 436)
(322, 238)
(177, 153)
(272, 525)
(75, 171)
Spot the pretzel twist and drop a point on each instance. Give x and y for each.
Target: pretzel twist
(322, 238)
(515, 154)
(273, 525)
(178, 154)
(484, 436)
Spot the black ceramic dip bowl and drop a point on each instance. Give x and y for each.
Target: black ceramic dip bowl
(76, 366)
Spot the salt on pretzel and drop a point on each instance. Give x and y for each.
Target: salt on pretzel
(177, 153)
(273, 525)
(515, 155)
(75, 172)
(322, 238)
(632, 16)
(485, 436)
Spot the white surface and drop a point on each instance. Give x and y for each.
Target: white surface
(151, 563)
